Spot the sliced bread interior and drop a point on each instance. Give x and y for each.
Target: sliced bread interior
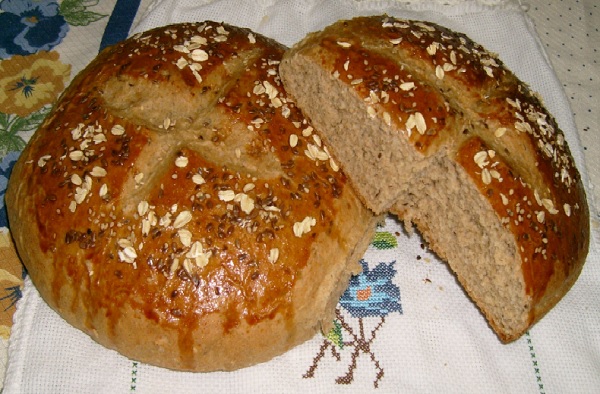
(430, 126)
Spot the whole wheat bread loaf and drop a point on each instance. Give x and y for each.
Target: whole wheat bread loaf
(177, 207)
(430, 126)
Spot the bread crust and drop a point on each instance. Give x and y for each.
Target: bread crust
(437, 95)
(171, 207)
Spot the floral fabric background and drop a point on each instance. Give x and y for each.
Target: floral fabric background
(32, 75)
(45, 43)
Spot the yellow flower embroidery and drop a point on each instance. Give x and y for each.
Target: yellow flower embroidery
(27, 83)
(11, 283)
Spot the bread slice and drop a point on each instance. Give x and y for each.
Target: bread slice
(168, 207)
(430, 126)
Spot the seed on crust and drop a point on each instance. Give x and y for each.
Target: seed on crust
(181, 161)
(117, 130)
(303, 227)
(183, 218)
(273, 255)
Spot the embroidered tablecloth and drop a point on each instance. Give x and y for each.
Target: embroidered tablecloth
(414, 330)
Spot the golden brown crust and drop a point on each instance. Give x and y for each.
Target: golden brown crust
(172, 208)
(448, 97)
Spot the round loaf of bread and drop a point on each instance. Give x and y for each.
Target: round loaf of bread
(430, 126)
(177, 207)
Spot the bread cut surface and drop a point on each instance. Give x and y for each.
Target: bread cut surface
(177, 207)
(430, 126)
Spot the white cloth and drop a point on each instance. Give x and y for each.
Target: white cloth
(437, 342)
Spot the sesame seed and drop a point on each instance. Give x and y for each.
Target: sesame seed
(197, 253)
(334, 166)
(523, 127)
(273, 255)
(420, 122)
(181, 48)
(271, 90)
(76, 180)
(432, 49)
(76, 155)
(549, 205)
(165, 220)
(181, 161)
(293, 140)
(198, 179)
(194, 70)
(307, 131)
(183, 218)
(486, 176)
(42, 160)
(514, 103)
(448, 67)
(439, 72)
(103, 190)
(480, 158)
(344, 44)
(453, 57)
(406, 86)
(387, 118)
(185, 236)
(187, 265)
(76, 132)
(540, 216)
(226, 195)
(259, 89)
(174, 266)
(304, 226)
(567, 209)
(99, 138)
(117, 130)
(371, 112)
(181, 63)
(142, 207)
(98, 172)
(145, 227)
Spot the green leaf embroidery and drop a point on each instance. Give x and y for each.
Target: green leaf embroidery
(32, 121)
(384, 240)
(335, 334)
(10, 141)
(11, 125)
(76, 14)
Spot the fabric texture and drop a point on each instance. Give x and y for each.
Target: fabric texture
(404, 324)
(120, 22)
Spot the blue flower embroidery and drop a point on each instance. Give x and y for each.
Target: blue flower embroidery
(6, 167)
(30, 26)
(371, 296)
(372, 293)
